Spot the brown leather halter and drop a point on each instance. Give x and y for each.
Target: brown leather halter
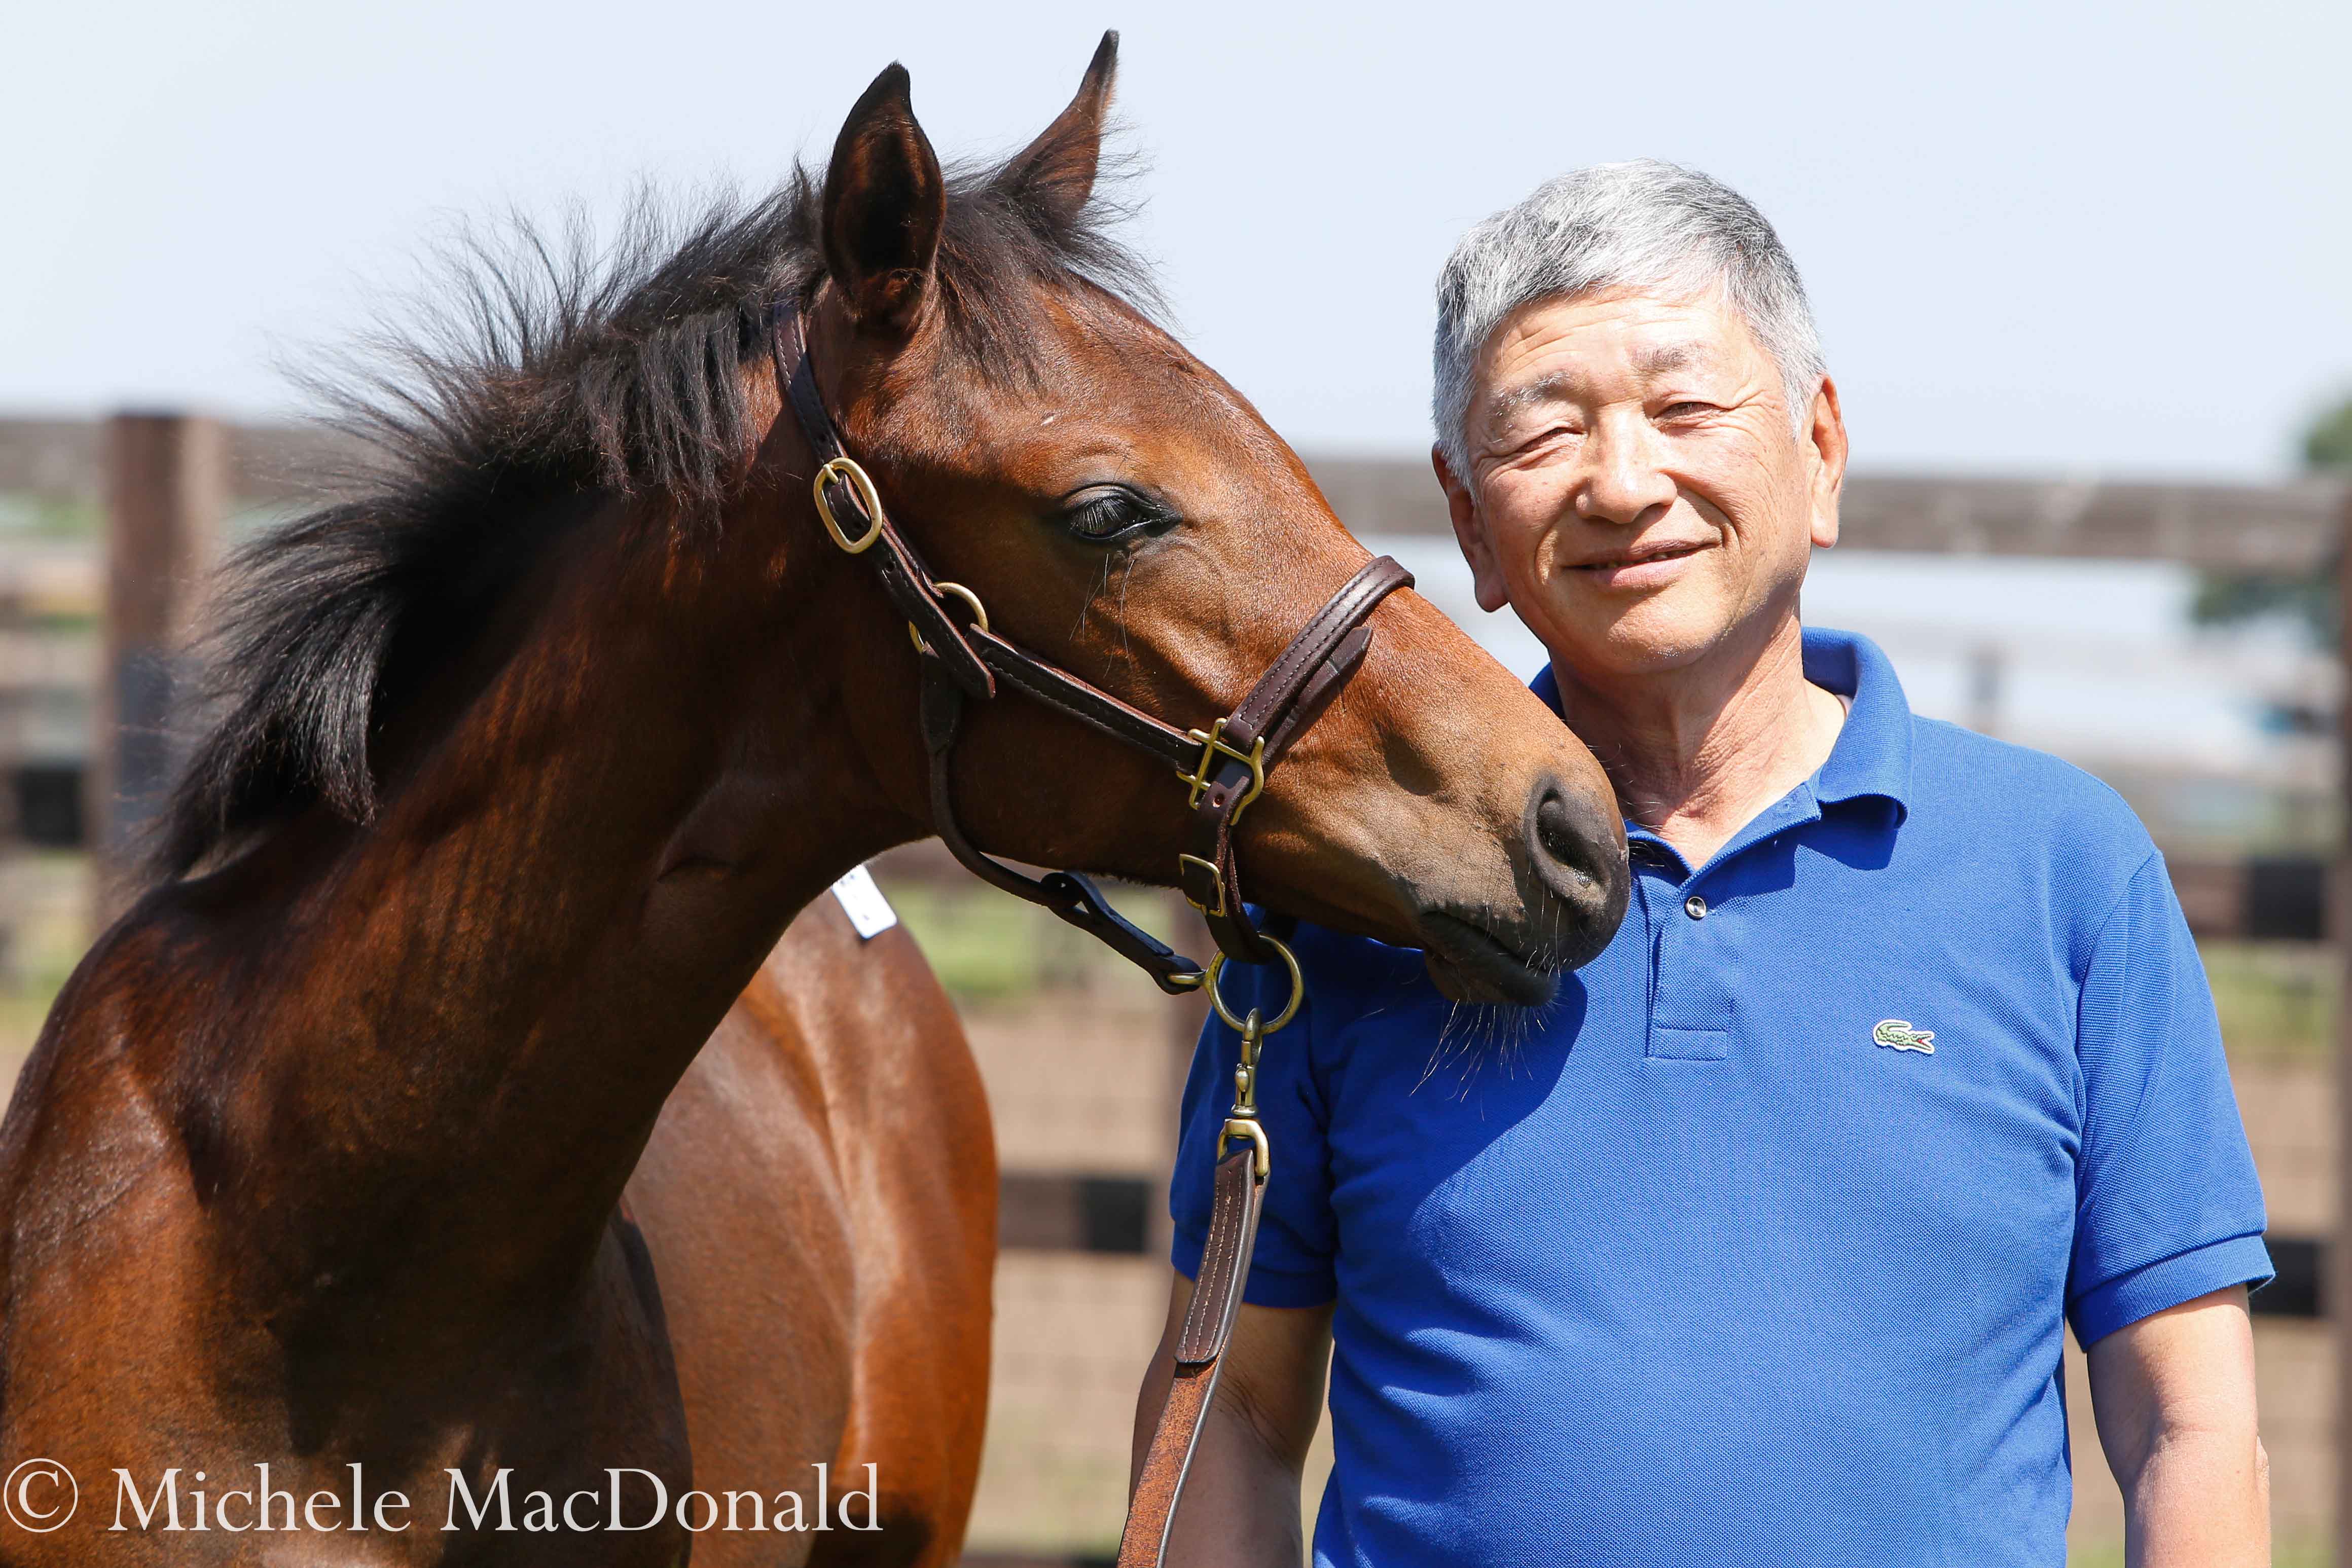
(1223, 767)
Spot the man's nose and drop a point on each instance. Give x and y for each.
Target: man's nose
(1623, 480)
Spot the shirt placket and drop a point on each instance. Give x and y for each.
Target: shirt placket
(1690, 1010)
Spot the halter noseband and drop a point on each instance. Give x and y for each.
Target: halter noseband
(1224, 767)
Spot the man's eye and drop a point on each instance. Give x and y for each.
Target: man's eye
(1100, 516)
(1685, 409)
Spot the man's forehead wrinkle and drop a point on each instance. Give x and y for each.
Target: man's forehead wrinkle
(1552, 386)
(1659, 358)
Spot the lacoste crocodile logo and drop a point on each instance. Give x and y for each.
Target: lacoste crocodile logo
(1899, 1034)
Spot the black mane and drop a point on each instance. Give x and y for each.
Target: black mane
(548, 372)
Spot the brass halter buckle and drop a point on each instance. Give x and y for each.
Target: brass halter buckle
(1241, 1121)
(1212, 744)
(847, 471)
(1215, 910)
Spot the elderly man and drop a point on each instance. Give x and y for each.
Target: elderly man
(1757, 1246)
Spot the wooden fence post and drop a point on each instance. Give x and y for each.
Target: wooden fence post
(167, 488)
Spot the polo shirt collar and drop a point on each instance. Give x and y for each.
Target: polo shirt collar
(1871, 757)
(1872, 754)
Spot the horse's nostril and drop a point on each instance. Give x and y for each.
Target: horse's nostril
(1575, 852)
(1557, 836)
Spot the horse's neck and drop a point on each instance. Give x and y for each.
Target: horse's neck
(500, 982)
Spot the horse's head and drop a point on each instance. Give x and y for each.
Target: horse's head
(1120, 511)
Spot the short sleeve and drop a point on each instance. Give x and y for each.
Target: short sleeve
(1297, 1234)
(2167, 1207)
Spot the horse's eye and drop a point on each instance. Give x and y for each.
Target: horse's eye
(1111, 513)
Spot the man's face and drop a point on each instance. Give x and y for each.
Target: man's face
(1635, 492)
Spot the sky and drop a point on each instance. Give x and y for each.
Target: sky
(2052, 237)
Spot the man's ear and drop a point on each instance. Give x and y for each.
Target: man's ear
(1470, 533)
(1053, 176)
(1824, 436)
(885, 201)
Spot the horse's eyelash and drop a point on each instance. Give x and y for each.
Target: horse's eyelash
(1134, 512)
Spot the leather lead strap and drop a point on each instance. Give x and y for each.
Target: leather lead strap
(1200, 1353)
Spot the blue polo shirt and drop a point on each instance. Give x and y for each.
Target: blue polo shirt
(1755, 1247)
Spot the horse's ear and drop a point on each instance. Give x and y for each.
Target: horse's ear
(1053, 176)
(885, 201)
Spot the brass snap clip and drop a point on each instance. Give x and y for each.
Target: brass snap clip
(1241, 1121)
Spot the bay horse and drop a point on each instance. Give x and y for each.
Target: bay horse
(401, 1134)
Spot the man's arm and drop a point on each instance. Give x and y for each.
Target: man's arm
(2174, 1396)
(1241, 1498)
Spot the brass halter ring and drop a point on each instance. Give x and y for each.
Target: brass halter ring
(1290, 1009)
(861, 483)
(979, 612)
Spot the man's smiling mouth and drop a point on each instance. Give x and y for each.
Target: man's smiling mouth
(1645, 555)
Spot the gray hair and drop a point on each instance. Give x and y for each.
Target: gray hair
(1644, 225)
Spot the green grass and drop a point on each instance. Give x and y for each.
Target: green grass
(981, 947)
(39, 518)
(990, 947)
(79, 623)
(2275, 999)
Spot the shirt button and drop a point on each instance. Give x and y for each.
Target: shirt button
(1695, 907)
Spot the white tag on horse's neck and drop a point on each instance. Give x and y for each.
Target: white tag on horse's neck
(863, 901)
